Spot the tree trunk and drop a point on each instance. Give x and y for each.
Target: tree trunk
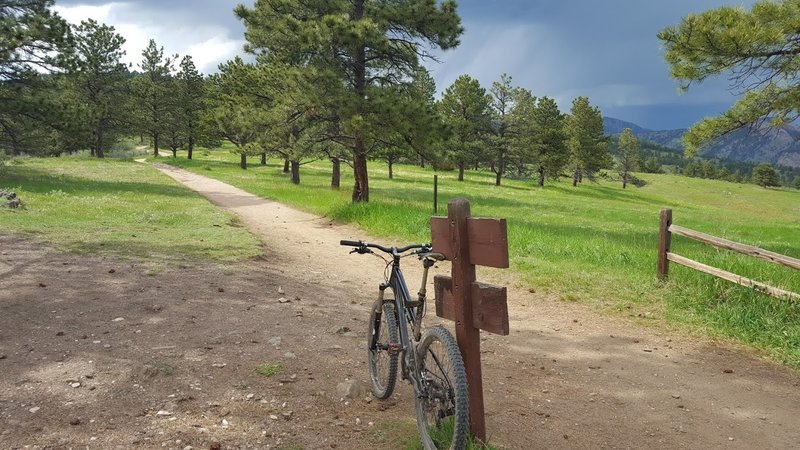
(361, 186)
(575, 177)
(285, 166)
(295, 169)
(174, 152)
(263, 158)
(391, 162)
(541, 176)
(191, 147)
(155, 144)
(461, 171)
(336, 172)
(501, 168)
(422, 162)
(624, 180)
(243, 161)
(98, 150)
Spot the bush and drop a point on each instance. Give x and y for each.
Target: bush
(2, 162)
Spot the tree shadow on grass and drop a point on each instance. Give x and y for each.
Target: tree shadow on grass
(41, 181)
(604, 193)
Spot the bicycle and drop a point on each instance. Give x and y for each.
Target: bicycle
(431, 361)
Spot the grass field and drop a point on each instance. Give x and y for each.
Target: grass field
(595, 243)
(118, 207)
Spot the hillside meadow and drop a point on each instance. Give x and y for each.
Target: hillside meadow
(595, 243)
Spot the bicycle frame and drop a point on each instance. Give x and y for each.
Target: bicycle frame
(404, 308)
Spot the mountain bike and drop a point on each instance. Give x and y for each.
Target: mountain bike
(430, 361)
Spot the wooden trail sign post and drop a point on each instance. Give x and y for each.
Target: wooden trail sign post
(466, 242)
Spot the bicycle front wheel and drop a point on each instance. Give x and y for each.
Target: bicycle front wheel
(382, 346)
(443, 404)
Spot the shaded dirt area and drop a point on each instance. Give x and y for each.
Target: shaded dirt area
(179, 369)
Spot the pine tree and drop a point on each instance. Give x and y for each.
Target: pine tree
(191, 102)
(541, 140)
(765, 176)
(31, 37)
(757, 48)
(233, 114)
(353, 50)
(152, 91)
(629, 155)
(99, 81)
(503, 126)
(587, 145)
(465, 109)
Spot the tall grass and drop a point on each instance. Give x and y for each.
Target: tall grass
(595, 243)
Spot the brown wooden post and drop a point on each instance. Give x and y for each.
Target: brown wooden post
(467, 335)
(664, 238)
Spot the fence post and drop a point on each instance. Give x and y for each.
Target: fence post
(436, 194)
(664, 238)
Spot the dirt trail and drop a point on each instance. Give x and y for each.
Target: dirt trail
(190, 336)
(565, 377)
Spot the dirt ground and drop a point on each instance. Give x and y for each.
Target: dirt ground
(110, 353)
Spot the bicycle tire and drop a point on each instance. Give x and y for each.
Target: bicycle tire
(444, 399)
(382, 362)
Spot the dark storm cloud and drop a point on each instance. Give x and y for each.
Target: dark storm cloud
(604, 49)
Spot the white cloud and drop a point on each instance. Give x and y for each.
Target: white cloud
(207, 43)
(74, 14)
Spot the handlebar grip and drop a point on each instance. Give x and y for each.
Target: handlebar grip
(350, 243)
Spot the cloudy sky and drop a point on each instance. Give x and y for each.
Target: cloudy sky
(604, 49)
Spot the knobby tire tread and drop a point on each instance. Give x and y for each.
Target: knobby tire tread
(382, 389)
(459, 383)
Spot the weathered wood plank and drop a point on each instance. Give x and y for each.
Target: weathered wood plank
(489, 304)
(732, 277)
(490, 308)
(745, 249)
(440, 236)
(445, 303)
(488, 242)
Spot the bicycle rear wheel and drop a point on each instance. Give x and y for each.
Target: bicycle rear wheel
(443, 405)
(382, 358)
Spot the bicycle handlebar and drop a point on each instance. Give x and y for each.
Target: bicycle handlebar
(363, 246)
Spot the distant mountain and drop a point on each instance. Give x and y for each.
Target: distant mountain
(615, 126)
(759, 144)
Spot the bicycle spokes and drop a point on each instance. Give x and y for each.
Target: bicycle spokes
(437, 389)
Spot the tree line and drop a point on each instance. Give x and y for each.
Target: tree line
(348, 87)
(344, 82)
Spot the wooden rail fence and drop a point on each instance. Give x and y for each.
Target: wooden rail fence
(667, 229)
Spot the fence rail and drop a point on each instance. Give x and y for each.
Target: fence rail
(667, 229)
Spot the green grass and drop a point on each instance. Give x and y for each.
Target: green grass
(268, 369)
(118, 207)
(595, 243)
(404, 434)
